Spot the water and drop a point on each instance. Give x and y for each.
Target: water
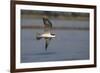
(67, 45)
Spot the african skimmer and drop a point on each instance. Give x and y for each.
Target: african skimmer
(47, 35)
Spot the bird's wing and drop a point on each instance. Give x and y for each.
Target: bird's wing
(47, 25)
(47, 43)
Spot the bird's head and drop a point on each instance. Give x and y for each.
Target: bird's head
(53, 34)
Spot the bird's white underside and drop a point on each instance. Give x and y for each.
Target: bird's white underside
(47, 35)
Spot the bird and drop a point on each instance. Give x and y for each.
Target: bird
(47, 35)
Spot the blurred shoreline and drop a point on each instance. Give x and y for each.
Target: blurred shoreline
(63, 20)
(67, 17)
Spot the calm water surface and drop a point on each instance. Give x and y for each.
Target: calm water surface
(67, 45)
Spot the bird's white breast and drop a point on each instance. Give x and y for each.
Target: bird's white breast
(47, 35)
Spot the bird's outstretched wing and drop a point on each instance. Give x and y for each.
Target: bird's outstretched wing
(47, 25)
(47, 43)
